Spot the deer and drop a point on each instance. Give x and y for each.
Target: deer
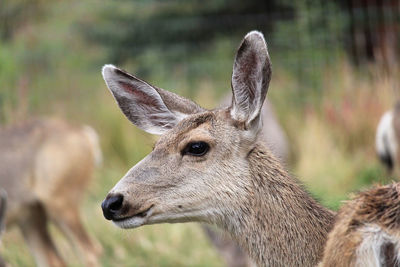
(209, 166)
(46, 165)
(387, 139)
(274, 137)
(3, 208)
(367, 230)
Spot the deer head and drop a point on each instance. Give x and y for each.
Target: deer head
(198, 169)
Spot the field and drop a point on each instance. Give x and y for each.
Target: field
(48, 70)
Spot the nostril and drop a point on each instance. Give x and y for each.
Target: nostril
(112, 205)
(116, 203)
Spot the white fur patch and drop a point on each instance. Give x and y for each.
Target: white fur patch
(386, 130)
(369, 253)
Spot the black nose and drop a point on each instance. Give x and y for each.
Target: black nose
(112, 206)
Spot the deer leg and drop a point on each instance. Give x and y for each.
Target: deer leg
(36, 234)
(69, 222)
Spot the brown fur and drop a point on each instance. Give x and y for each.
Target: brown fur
(45, 168)
(379, 208)
(274, 137)
(288, 217)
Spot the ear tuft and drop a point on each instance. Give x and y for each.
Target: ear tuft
(255, 34)
(253, 40)
(107, 70)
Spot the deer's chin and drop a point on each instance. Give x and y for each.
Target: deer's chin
(157, 216)
(131, 222)
(135, 220)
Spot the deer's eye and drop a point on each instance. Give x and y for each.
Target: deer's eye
(197, 149)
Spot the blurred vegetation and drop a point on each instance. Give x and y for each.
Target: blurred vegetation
(51, 55)
(178, 27)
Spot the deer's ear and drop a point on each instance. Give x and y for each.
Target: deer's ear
(250, 79)
(152, 109)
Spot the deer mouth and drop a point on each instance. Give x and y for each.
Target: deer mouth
(135, 220)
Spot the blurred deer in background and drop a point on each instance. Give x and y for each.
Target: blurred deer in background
(275, 139)
(367, 230)
(209, 166)
(3, 208)
(45, 168)
(388, 139)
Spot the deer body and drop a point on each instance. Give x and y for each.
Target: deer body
(45, 168)
(367, 230)
(3, 208)
(209, 166)
(388, 138)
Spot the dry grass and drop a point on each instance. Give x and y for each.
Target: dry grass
(334, 140)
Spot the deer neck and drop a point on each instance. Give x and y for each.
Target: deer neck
(279, 223)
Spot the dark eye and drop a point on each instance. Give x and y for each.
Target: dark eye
(196, 149)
